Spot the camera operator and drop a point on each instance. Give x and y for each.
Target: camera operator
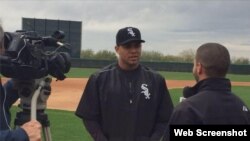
(30, 131)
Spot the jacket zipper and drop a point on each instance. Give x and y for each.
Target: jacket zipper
(130, 93)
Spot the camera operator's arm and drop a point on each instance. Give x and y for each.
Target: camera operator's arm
(8, 97)
(11, 94)
(30, 131)
(10, 135)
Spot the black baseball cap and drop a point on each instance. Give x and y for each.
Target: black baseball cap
(128, 34)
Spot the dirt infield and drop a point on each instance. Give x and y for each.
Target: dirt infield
(66, 94)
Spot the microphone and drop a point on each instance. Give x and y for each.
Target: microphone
(50, 41)
(188, 91)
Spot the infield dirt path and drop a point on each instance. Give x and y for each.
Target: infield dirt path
(66, 94)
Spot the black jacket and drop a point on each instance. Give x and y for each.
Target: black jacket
(214, 103)
(125, 105)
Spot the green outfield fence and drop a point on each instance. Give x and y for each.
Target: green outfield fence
(159, 66)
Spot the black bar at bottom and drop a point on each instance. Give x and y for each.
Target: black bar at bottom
(214, 132)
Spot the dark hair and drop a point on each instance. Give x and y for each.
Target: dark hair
(214, 58)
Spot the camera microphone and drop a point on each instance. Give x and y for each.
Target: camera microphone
(54, 39)
(50, 41)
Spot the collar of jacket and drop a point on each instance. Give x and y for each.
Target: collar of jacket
(217, 84)
(129, 72)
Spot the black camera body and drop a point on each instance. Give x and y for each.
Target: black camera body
(28, 60)
(27, 56)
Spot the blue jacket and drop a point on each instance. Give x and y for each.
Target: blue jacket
(13, 135)
(10, 96)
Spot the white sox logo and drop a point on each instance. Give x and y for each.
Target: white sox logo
(244, 108)
(131, 32)
(145, 91)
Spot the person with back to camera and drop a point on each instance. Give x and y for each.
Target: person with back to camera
(30, 131)
(126, 101)
(211, 100)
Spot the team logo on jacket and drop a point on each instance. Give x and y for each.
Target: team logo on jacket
(145, 91)
(244, 108)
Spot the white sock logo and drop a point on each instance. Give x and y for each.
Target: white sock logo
(145, 91)
(131, 32)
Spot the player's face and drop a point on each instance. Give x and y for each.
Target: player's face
(129, 55)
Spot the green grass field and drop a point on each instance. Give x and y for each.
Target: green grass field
(65, 126)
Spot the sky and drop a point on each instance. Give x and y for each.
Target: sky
(167, 26)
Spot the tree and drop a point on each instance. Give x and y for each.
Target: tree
(152, 56)
(88, 53)
(105, 55)
(241, 61)
(172, 58)
(184, 56)
(187, 55)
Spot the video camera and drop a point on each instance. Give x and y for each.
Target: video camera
(27, 56)
(28, 60)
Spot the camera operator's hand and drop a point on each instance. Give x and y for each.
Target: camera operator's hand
(33, 130)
